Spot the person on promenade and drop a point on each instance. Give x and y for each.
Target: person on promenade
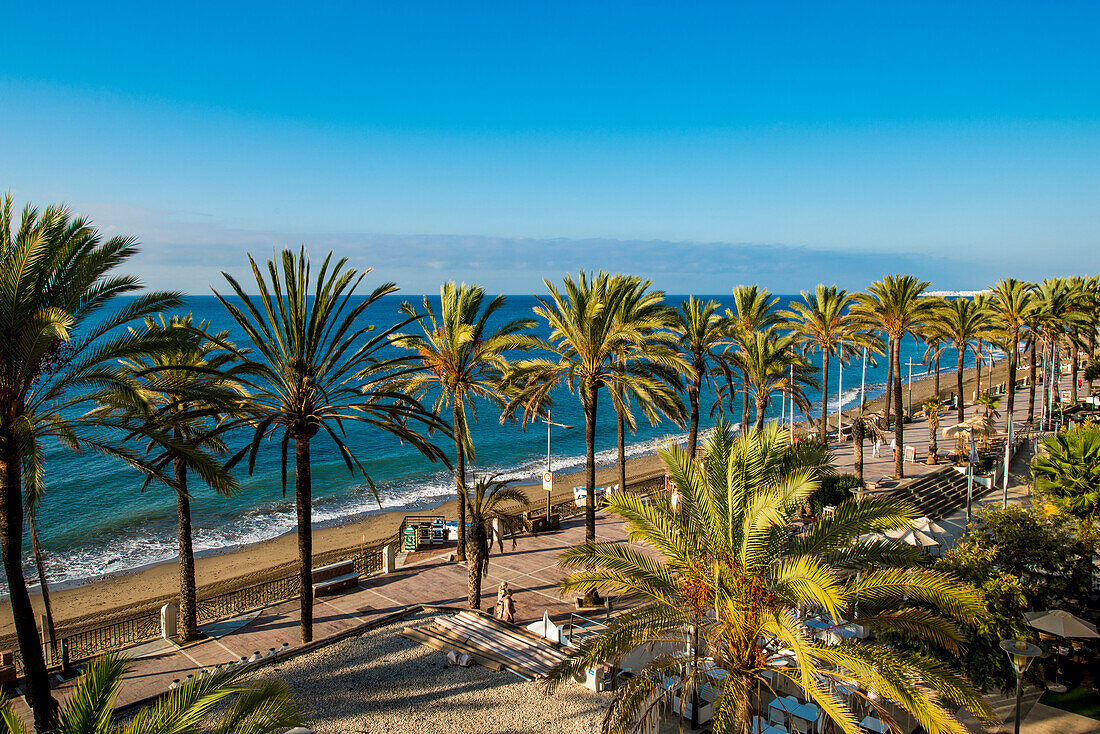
(876, 446)
(508, 608)
(502, 592)
(894, 448)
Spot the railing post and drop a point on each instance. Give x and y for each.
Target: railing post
(389, 559)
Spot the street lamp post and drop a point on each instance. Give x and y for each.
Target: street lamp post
(549, 422)
(910, 386)
(1020, 654)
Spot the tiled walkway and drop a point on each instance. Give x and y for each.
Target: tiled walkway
(530, 568)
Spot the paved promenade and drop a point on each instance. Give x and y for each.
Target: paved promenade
(426, 578)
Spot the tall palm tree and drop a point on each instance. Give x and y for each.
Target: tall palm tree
(1033, 324)
(1082, 328)
(895, 305)
(641, 306)
(701, 331)
(486, 501)
(935, 342)
(585, 339)
(962, 320)
(63, 332)
(221, 702)
(766, 359)
(1010, 301)
(1061, 309)
(460, 358)
(730, 584)
(174, 402)
(753, 310)
(316, 367)
(823, 324)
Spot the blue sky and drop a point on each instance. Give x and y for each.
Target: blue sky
(703, 145)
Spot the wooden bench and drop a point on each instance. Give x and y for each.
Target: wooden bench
(334, 577)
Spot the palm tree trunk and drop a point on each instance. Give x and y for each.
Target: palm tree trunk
(479, 547)
(693, 400)
(744, 403)
(40, 564)
(889, 378)
(1031, 385)
(591, 597)
(761, 409)
(959, 384)
(978, 366)
(189, 615)
(303, 490)
(857, 443)
(1073, 375)
(933, 426)
(937, 374)
(621, 425)
(1013, 356)
(824, 395)
(899, 424)
(42, 704)
(460, 480)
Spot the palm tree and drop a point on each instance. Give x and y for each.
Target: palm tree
(316, 367)
(895, 306)
(1082, 328)
(765, 360)
(1010, 302)
(823, 324)
(585, 339)
(1067, 473)
(484, 503)
(1061, 309)
(866, 423)
(935, 342)
(701, 332)
(989, 404)
(753, 310)
(730, 584)
(222, 702)
(63, 334)
(1033, 323)
(931, 410)
(174, 401)
(460, 359)
(962, 321)
(640, 306)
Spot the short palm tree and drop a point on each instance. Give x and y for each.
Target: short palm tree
(1067, 473)
(753, 310)
(962, 321)
(824, 324)
(64, 332)
(766, 360)
(489, 499)
(930, 408)
(989, 404)
(700, 330)
(175, 403)
(1009, 302)
(220, 702)
(895, 305)
(585, 340)
(460, 359)
(935, 342)
(866, 424)
(316, 367)
(731, 586)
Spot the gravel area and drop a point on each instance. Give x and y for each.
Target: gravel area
(381, 682)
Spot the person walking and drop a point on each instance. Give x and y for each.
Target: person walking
(876, 445)
(502, 592)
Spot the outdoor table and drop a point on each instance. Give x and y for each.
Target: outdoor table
(870, 723)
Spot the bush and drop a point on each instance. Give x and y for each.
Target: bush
(834, 489)
(984, 466)
(1092, 369)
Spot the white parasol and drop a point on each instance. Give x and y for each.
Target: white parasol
(1062, 623)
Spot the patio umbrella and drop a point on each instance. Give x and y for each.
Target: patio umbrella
(913, 536)
(1061, 623)
(927, 525)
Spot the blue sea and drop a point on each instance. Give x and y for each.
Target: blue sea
(95, 519)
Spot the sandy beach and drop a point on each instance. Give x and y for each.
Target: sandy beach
(150, 587)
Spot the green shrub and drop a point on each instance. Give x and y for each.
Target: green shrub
(834, 489)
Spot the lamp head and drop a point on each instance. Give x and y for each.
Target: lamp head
(1020, 653)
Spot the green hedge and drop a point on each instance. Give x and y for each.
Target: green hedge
(834, 489)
